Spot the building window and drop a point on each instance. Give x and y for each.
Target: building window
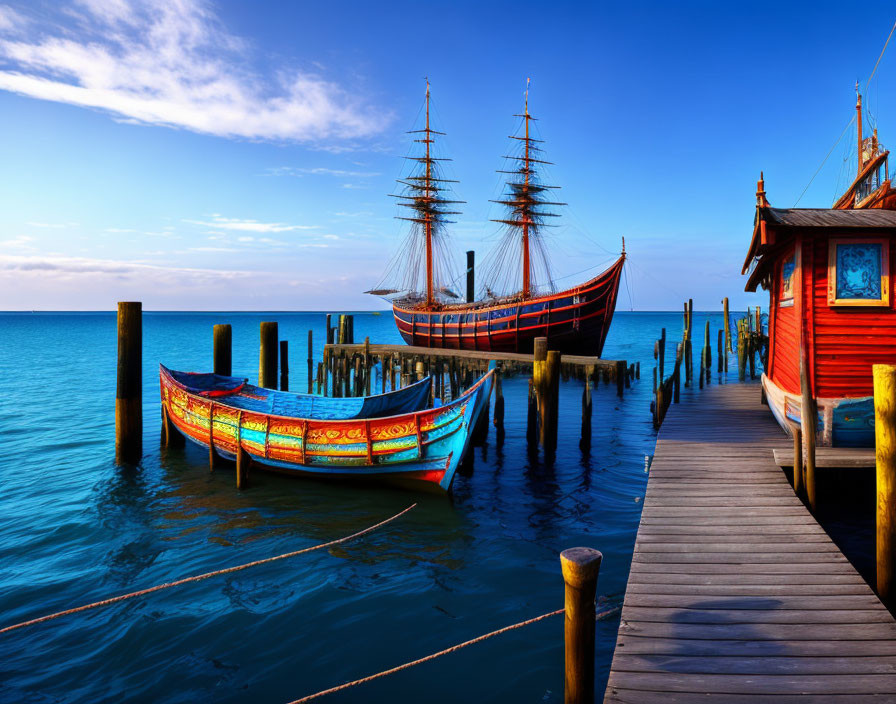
(858, 273)
(787, 271)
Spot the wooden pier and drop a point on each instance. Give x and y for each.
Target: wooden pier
(736, 594)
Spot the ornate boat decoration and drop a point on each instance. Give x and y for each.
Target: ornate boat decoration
(331, 438)
(519, 300)
(828, 273)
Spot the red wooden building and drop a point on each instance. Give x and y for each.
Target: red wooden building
(828, 274)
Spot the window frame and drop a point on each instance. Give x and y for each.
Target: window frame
(884, 299)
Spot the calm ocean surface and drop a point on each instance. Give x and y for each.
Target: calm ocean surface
(74, 528)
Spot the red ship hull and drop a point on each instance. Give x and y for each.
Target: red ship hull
(574, 321)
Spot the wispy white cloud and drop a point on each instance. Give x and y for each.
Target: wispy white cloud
(78, 266)
(320, 171)
(221, 223)
(10, 20)
(18, 242)
(119, 229)
(173, 63)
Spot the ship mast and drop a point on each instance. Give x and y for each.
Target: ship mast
(527, 291)
(525, 201)
(859, 126)
(423, 194)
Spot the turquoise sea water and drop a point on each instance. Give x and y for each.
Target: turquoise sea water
(75, 528)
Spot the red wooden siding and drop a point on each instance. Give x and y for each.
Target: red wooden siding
(847, 340)
(784, 344)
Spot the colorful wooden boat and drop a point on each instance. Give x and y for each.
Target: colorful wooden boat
(242, 395)
(828, 273)
(425, 445)
(519, 298)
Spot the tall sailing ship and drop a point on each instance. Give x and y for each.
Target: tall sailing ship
(519, 301)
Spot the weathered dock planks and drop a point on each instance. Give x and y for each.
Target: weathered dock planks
(736, 594)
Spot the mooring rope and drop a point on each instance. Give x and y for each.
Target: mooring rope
(199, 577)
(432, 656)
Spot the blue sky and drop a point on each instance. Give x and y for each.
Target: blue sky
(232, 155)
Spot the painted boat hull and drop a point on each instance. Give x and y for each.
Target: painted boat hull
(426, 445)
(575, 321)
(842, 422)
(240, 394)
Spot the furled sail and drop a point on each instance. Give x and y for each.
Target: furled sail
(519, 265)
(423, 270)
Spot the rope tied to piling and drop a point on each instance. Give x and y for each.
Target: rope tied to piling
(427, 658)
(206, 575)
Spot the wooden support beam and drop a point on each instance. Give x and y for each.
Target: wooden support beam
(808, 416)
(310, 361)
(129, 391)
(284, 367)
(885, 442)
(580, 567)
(267, 356)
(222, 355)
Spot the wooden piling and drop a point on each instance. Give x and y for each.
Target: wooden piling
(471, 276)
(586, 406)
(727, 324)
(284, 367)
(661, 354)
(676, 382)
(419, 370)
(707, 362)
(310, 361)
(885, 441)
(808, 416)
(720, 351)
(222, 343)
(580, 567)
(797, 457)
(367, 366)
(620, 378)
(129, 391)
(267, 356)
(532, 415)
(329, 337)
(499, 402)
(548, 402)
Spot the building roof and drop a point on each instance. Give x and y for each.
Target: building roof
(826, 217)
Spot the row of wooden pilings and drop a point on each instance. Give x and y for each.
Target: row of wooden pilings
(351, 370)
(580, 566)
(750, 342)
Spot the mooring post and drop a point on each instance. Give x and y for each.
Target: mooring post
(741, 352)
(727, 323)
(797, 456)
(367, 366)
(222, 355)
(676, 388)
(242, 457)
(586, 405)
(885, 442)
(419, 370)
(324, 373)
(329, 337)
(310, 361)
(620, 377)
(284, 366)
(267, 356)
(661, 356)
(581, 567)
(808, 416)
(551, 400)
(499, 402)
(471, 273)
(129, 392)
(532, 415)
(720, 350)
(708, 352)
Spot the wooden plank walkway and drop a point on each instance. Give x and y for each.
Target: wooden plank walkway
(736, 594)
